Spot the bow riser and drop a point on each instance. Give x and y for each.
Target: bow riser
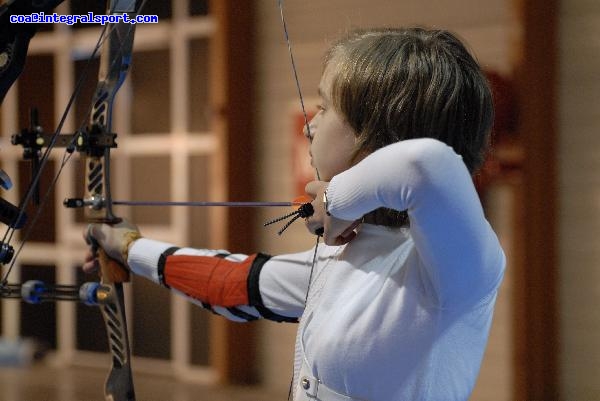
(114, 65)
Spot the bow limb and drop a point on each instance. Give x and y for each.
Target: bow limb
(114, 64)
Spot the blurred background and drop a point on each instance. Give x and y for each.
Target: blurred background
(210, 111)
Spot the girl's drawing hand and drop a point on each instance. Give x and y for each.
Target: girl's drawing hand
(335, 231)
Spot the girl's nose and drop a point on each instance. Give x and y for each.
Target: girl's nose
(309, 130)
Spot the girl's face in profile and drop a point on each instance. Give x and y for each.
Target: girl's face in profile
(332, 140)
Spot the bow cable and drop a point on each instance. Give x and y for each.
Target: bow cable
(106, 30)
(44, 160)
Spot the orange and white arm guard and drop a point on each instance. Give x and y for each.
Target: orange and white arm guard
(226, 284)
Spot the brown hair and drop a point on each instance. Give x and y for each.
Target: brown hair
(397, 84)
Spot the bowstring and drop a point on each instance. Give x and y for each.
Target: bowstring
(306, 124)
(106, 30)
(309, 137)
(295, 71)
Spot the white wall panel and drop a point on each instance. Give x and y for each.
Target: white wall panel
(579, 169)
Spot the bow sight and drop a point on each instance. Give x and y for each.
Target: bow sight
(92, 141)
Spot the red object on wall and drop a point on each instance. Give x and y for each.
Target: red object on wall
(505, 104)
(506, 155)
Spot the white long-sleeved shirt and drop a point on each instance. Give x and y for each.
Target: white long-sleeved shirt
(396, 314)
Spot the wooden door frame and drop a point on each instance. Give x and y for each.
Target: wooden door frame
(536, 302)
(232, 98)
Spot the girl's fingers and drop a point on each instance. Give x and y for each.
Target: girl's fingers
(313, 187)
(91, 266)
(350, 230)
(346, 236)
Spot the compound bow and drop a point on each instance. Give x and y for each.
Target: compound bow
(95, 142)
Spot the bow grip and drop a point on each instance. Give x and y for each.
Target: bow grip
(112, 271)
